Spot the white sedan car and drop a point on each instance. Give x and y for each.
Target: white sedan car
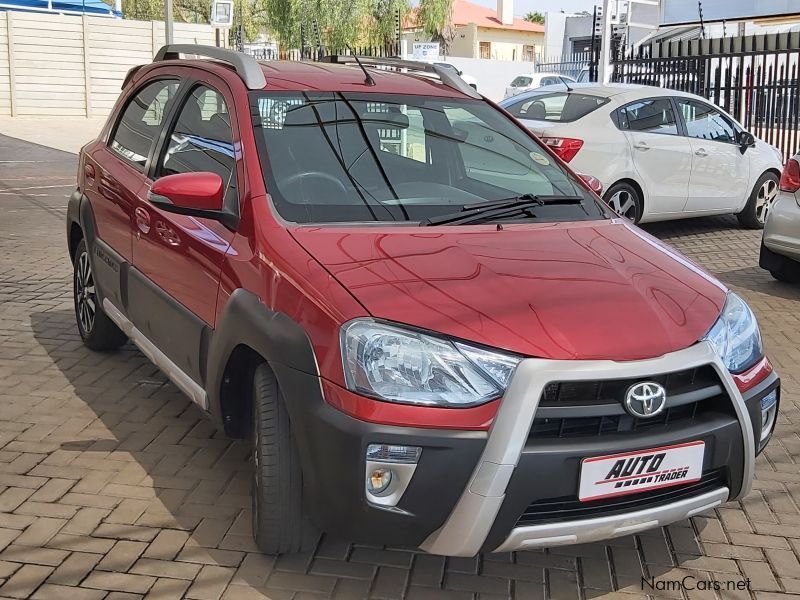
(660, 154)
(532, 81)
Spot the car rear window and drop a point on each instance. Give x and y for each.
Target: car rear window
(563, 107)
(333, 157)
(521, 82)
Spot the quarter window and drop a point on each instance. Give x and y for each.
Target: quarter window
(649, 116)
(705, 122)
(141, 121)
(201, 139)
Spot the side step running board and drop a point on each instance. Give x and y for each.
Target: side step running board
(184, 383)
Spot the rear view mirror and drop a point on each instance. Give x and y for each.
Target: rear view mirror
(195, 194)
(746, 140)
(593, 183)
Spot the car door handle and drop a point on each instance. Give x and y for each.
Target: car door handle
(142, 220)
(641, 146)
(700, 152)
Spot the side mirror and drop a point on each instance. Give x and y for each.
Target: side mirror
(194, 194)
(593, 183)
(746, 140)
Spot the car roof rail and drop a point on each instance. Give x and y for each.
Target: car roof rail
(445, 75)
(245, 65)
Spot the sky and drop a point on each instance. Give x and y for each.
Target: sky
(522, 7)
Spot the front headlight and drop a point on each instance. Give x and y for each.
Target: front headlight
(402, 365)
(735, 335)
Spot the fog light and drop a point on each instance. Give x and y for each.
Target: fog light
(769, 412)
(379, 481)
(394, 454)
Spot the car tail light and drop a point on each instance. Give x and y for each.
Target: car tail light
(565, 148)
(790, 178)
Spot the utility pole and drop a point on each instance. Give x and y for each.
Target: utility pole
(168, 21)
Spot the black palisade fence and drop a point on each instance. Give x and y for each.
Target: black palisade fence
(755, 78)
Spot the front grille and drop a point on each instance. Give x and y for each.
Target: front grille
(592, 408)
(612, 391)
(570, 508)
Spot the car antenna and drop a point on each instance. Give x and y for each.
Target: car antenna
(566, 84)
(367, 77)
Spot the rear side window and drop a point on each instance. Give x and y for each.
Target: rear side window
(649, 116)
(563, 107)
(141, 121)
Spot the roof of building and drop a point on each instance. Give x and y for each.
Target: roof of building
(466, 12)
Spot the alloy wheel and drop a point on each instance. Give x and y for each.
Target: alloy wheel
(766, 196)
(623, 203)
(85, 295)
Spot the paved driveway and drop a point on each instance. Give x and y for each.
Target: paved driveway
(113, 485)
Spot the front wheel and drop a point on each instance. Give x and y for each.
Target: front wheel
(279, 521)
(625, 200)
(761, 198)
(97, 330)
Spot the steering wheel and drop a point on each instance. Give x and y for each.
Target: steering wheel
(300, 178)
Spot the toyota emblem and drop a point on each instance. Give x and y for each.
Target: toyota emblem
(646, 399)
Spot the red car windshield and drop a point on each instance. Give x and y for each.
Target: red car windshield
(332, 157)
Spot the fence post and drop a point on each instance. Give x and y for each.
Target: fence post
(154, 39)
(87, 71)
(12, 85)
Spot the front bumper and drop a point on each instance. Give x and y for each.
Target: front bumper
(781, 229)
(470, 489)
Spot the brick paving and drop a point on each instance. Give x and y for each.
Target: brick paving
(113, 485)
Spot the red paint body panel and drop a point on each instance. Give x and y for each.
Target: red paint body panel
(754, 375)
(590, 290)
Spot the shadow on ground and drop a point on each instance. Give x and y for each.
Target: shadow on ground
(173, 470)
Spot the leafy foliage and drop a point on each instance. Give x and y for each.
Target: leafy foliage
(436, 19)
(535, 17)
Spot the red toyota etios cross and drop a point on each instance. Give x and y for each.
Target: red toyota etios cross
(430, 331)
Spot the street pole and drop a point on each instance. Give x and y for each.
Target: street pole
(604, 67)
(168, 21)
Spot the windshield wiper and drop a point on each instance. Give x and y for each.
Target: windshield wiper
(485, 211)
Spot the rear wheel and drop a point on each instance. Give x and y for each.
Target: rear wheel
(279, 522)
(757, 208)
(625, 200)
(98, 332)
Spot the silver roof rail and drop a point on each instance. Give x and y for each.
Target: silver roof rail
(445, 76)
(245, 65)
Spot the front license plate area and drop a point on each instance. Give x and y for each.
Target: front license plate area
(640, 471)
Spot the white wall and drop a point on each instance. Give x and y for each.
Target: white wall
(493, 75)
(67, 65)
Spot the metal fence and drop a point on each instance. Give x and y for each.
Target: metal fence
(755, 78)
(569, 64)
(315, 53)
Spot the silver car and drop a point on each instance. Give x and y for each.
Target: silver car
(780, 246)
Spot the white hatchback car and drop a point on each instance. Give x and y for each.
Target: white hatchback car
(659, 154)
(532, 81)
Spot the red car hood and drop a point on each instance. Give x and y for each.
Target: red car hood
(588, 290)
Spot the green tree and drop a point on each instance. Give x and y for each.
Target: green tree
(436, 19)
(382, 22)
(535, 17)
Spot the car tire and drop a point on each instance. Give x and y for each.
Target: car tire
(788, 271)
(625, 200)
(97, 330)
(279, 521)
(755, 211)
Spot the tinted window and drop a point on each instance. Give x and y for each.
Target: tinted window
(521, 82)
(705, 122)
(332, 157)
(141, 121)
(559, 106)
(651, 116)
(201, 139)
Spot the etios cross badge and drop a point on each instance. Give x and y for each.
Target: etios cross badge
(645, 399)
